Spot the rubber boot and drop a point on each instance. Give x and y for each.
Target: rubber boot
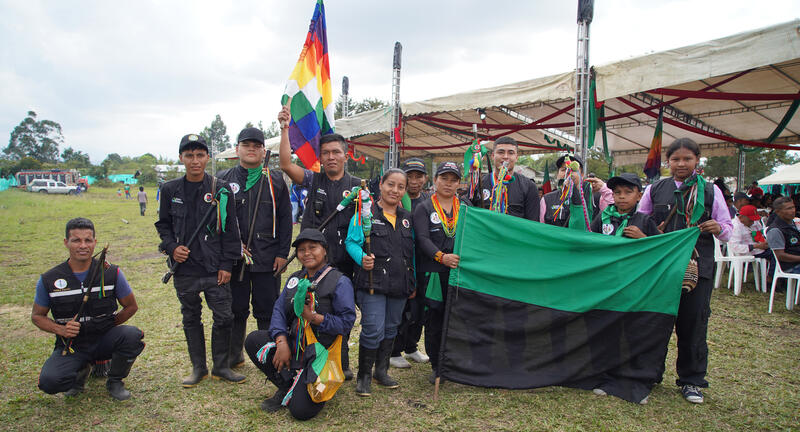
(196, 342)
(382, 364)
(237, 342)
(348, 374)
(366, 359)
(263, 324)
(220, 353)
(120, 368)
(80, 382)
(274, 403)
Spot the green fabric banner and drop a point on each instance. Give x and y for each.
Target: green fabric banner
(567, 269)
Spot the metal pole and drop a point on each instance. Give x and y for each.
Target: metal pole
(394, 153)
(345, 96)
(740, 179)
(582, 77)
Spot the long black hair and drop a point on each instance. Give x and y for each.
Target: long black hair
(686, 143)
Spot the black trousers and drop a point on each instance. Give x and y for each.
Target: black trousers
(691, 327)
(59, 372)
(218, 299)
(300, 405)
(410, 329)
(257, 288)
(434, 322)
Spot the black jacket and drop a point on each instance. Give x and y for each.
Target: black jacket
(219, 250)
(263, 246)
(640, 220)
(430, 237)
(393, 247)
(523, 196)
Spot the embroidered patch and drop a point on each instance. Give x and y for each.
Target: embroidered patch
(435, 218)
(235, 188)
(793, 240)
(608, 229)
(208, 197)
(406, 223)
(192, 137)
(177, 200)
(486, 194)
(292, 283)
(345, 193)
(60, 283)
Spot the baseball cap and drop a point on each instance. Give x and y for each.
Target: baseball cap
(448, 167)
(251, 134)
(312, 235)
(193, 141)
(414, 164)
(750, 212)
(626, 179)
(740, 195)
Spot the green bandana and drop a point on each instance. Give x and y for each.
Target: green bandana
(253, 175)
(300, 296)
(222, 208)
(699, 202)
(611, 211)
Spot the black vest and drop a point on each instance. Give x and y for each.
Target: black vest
(325, 290)
(66, 295)
(551, 203)
(436, 234)
(662, 194)
(393, 247)
(520, 189)
(323, 197)
(791, 238)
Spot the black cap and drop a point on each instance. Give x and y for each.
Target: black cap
(251, 134)
(312, 235)
(448, 167)
(414, 164)
(740, 195)
(625, 179)
(560, 161)
(192, 140)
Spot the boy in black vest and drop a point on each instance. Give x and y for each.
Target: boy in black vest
(98, 333)
(621, 219)
(325, 190)
(191, 203)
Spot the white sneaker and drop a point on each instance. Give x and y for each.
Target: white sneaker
(418, 357)
(644, 401)
(399, 362)
(599, 392)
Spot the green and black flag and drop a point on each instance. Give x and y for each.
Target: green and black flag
(533, 305)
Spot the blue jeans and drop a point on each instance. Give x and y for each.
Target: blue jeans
(380, 317)
(295, 209)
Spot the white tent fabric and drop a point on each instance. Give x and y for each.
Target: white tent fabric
(788, 175)
(273, 144)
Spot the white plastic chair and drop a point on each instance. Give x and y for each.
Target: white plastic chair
(736, 267)
(792, 280)
(739, 271)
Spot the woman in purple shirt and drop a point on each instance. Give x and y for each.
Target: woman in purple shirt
(699, 203)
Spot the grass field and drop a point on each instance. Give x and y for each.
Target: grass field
(754, 361)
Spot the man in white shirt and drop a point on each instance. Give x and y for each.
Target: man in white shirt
(747, 237)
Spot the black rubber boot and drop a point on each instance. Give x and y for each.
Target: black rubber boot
(366, 359)
(80, 382)
(382, 364)
(196, 342)
(273, 403)
(220, 353)
(237, 342)
(120, 368)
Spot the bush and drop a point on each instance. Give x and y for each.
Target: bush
(104, 182)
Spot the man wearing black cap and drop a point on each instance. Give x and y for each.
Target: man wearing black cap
(601, 196)
(621, 218)
(190, 203)
(325, 191)
(264, 217)
(410, 330)
(522, 193)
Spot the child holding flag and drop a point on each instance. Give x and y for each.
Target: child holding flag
(621, 218)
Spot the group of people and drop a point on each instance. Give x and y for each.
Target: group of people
(229, 237)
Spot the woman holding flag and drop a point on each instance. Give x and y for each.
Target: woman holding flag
(435, 229)
(384, 276)
(686, 200)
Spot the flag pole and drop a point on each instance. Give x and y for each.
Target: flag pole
(394, 137)
(582, 82)
(345, 96)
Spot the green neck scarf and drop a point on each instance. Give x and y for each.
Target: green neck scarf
(699, 206)
(222, 208)
(253, 175)
(611, 211)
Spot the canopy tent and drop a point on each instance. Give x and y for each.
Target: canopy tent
(721, 93)
(788, 175)
(273, 144)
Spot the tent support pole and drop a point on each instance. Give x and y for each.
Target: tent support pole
(392, 161)
(582, 78)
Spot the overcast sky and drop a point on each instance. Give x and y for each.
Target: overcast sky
(134, 76)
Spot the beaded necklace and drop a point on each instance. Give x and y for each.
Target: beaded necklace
(448, 223)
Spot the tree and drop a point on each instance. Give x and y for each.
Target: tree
(356, 106)
(147, 159)
(758, 164)
(272, 131)
(38, 139)
(75, 158)
(217, 135)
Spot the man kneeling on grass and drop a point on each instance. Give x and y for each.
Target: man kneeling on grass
(90, 332)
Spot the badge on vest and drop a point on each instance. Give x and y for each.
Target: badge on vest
(345, 193)
(608, 229)
(177, 200)
(435, 218)
(486, 194)
(292, 282)
(60, 284)
(208, 197)
(554, 207)
(793, 240)
(235, 188)
(406, 223)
